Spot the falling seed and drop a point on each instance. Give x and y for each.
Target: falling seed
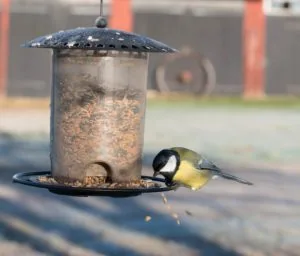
(188, 213)
(173, 214)
(148, 218)
(164, 198)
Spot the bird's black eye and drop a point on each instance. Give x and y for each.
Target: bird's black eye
(157, 164)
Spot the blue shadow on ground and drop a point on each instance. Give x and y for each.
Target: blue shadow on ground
(10, 148)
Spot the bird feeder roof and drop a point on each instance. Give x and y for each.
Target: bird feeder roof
(93, 38)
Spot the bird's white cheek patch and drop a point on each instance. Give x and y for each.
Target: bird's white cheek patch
(170, 166)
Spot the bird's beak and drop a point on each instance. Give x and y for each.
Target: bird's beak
(155, 174)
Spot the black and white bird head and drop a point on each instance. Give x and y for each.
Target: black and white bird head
(166, 163)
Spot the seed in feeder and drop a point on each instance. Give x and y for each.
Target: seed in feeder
(148, 218)
(98, 182)
(121, 39)
(94, 122)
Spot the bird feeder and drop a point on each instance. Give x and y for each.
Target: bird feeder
(98, 100)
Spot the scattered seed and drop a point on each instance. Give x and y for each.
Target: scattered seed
(148, 218)
(165, 200)
(188, 213)
(173, 214)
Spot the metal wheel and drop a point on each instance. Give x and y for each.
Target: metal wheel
(187, 72)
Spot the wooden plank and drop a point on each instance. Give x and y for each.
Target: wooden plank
(4, 45)
(121, 15)
(254, 49)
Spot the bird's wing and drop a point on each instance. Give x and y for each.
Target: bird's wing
(205, 164)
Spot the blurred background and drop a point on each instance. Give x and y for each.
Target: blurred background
(232, 93)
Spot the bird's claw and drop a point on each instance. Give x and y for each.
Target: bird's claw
(170, 184)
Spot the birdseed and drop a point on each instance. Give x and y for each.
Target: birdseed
(148, 218)
(98, 182)
(97, 127)
(173, 214)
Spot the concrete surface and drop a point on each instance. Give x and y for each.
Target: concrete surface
(261, 145)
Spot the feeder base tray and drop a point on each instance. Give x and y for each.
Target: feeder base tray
(33, 179)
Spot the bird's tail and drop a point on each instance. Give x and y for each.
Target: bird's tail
(232, 177)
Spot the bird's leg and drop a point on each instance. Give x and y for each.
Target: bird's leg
(170, 183)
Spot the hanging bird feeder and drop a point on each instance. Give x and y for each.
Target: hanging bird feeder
(98, 100)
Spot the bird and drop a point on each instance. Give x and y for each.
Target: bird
(187, 168)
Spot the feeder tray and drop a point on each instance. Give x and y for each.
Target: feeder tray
(31, 179)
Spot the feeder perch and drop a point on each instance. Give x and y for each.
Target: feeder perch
(98, 100)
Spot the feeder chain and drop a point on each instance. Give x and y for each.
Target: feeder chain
(101, 21)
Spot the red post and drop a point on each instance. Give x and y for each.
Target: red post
(4, 45)
(254, 48)
(121, 16)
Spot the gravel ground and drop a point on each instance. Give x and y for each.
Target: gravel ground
(224, 218)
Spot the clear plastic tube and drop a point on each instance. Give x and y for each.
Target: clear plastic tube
(97, 114)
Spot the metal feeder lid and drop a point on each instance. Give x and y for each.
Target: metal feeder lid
(99, 38)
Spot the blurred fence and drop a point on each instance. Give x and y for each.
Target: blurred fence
(209, 27)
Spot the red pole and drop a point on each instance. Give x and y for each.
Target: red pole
(4, 45)
(121, 16)
(254, 48)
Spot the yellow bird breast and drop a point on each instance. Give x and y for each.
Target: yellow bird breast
(190, 177)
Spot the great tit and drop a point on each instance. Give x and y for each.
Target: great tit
(187, 168)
